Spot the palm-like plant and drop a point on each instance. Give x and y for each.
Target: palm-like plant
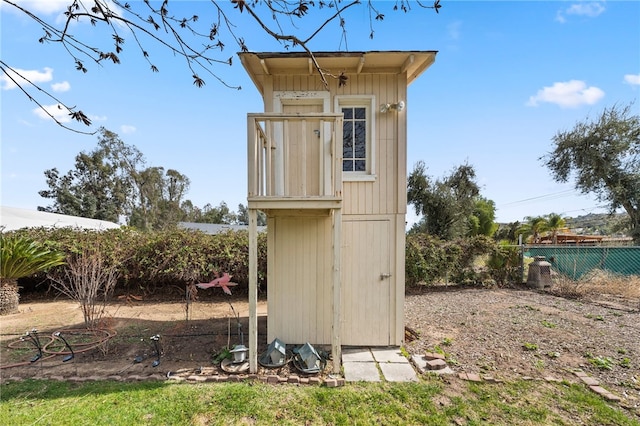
(555, 223)
(21, 257)
(533, 228)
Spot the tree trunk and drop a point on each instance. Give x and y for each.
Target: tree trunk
(9, 297)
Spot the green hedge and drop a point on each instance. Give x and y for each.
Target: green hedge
(152, 261)
(430, 260)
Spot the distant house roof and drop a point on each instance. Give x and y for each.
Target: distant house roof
(571, 239)
(585, 239)
(216, 228)
(12, 218)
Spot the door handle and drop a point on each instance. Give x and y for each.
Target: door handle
(383, 276)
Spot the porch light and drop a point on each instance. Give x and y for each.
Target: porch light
(275, 355)
(398, 106)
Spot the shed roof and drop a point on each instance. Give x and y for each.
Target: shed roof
(414, 63)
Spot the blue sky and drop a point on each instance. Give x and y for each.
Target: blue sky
(508, 76)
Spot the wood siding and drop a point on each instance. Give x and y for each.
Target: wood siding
(299, 276)
(372, 311)
(381, 195)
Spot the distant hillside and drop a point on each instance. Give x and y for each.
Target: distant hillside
(597, 224)
(590, 224)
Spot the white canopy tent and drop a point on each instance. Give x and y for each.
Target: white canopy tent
(12, 218)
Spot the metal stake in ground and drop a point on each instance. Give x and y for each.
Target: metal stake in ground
(35, 339)
(67, 345)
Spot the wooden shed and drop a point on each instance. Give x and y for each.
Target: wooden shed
(328, 167)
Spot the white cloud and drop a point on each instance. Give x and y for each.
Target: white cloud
(61, 87)
(98, 117)
(19, 75)
(126, 129)
(55, 7)
(569, 94)
(44, 6)
(632, 79)
(60, 112)
(590, 9)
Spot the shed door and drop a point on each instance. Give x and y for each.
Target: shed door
(366, 283)
(302, 152)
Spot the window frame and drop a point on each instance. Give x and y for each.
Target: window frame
(368, 102)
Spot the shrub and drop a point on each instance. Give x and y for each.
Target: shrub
(430, 260)
(504, 264)
(180, 257)
(156, 261)
(89, 278)
(425, 259)
(20, 257)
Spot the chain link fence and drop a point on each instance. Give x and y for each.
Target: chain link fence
(575, 262)
(601, 273)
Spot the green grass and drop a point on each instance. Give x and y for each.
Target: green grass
(431, 402)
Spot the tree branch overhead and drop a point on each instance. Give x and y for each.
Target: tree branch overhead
(198, 40)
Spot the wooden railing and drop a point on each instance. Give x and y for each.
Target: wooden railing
(294, 156)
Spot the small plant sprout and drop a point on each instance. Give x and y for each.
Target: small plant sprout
(451, 360)
(553, 354)
(626, 362)
(621, 351)
(224, 353)
(530, 346)
(600, 362)
(548, 324)
(446, 341)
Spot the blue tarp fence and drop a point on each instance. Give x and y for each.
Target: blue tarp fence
(577, 261)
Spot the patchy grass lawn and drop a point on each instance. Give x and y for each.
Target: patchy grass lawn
(429, 402)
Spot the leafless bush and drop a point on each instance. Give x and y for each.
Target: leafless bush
(598, 283)
(89, 280)
(566, 287)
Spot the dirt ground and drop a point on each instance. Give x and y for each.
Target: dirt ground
(516, 333)
(503, 333)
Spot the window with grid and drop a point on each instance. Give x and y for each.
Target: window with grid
(354, 137)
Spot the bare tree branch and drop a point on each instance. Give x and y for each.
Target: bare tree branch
(76, 115)
(153, 23)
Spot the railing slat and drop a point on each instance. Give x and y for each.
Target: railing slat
(303, 155)
(271, 168)
(286, 160)
(268, 159)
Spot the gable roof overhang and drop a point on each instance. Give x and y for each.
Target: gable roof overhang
(261, 65)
